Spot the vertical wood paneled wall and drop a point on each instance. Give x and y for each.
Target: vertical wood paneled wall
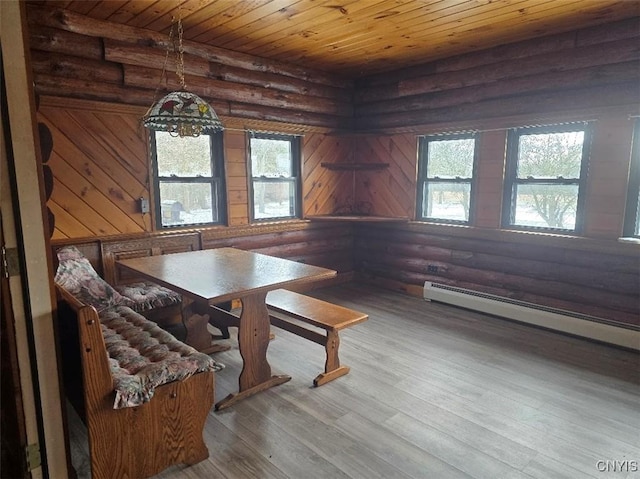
(100, 163)
(100, 166)
(391, 191)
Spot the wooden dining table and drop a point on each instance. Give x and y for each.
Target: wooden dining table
(212, 276)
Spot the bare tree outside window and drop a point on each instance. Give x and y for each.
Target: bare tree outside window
(188, 175)
(547, 179)
(274, 179)
(446, 172)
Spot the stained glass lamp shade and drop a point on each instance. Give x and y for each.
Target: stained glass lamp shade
(182, 113)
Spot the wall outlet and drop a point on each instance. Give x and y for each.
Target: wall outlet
(144, 205)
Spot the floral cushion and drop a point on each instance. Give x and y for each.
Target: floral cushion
(146, 296)
(142, 356)
(77, 276)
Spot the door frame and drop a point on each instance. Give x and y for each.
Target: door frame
(24, 223)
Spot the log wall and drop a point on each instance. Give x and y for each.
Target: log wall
(587, 69)
(75, 56)
(585, 276)
(100, 165)
(585, 75)
(589, 272)
(320, 244)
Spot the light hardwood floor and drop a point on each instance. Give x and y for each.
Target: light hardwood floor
(434, 392)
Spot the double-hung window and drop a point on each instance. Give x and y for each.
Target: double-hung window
(545, 177)
(275, 176)
(189, 179)
(632, 211)
(445, 178)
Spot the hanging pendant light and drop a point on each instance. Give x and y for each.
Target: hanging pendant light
(181, 113)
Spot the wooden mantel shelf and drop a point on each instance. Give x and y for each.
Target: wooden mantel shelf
(358, 218)
(354, 166)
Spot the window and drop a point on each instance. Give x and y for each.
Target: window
(189, 179)
(545, 177)
(275, 178)
(632, 211)
(445, 172)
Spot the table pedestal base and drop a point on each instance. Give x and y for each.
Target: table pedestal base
(215, 348)
(233, 398)
(199, 337)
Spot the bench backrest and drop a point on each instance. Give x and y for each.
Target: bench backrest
(113, 251)
(77, 276)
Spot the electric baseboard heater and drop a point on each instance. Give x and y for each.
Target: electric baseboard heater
(621, 334)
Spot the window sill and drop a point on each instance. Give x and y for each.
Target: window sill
(628, 247)
(358, 218)
(629, 239)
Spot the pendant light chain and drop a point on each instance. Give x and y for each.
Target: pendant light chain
(180, 54)
(180, 113)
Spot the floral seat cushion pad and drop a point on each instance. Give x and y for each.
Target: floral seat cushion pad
(142, 356)
(146, 296)
(77, 276)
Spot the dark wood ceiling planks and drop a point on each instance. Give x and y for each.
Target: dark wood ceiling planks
(357, 37)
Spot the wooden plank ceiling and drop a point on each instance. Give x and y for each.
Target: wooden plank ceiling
(354, 38)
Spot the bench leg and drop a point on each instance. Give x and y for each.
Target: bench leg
(332, 368)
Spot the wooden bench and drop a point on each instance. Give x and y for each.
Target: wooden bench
(139, 432)
(138, 289)
(114, 250)
(330, 317)
(188, 328)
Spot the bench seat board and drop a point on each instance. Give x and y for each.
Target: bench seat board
(314, 311)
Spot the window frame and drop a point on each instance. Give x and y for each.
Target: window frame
(216, 181)
(511, 180)
(632, 208)
(423, 159)
(295, 178)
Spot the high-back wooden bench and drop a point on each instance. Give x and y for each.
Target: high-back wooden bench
(115, 250)
(167, 307)
(321, 314)
(143, 414)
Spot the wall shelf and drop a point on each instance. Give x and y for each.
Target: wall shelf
(354, 166)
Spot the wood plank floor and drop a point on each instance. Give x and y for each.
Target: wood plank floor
(434, 392)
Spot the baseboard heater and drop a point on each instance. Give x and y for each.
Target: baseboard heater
(621, 334)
